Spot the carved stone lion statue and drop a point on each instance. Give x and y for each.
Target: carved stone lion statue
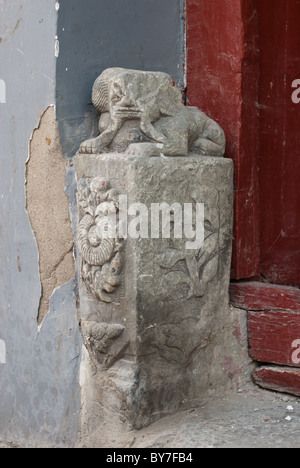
(142, 114)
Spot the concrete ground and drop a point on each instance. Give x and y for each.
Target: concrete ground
(253, 418)
(6, 445)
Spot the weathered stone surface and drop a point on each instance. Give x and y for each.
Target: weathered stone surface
(101, 250)
(157, 345)
(142, 113)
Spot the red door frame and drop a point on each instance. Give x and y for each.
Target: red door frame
(279, 164)
(224, 65)
(222, 80)
(228, 77)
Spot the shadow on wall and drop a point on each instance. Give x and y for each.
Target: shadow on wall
(148, 36)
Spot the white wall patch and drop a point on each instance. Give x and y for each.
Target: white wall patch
(56, 47)
(2, 352)
(2, 92)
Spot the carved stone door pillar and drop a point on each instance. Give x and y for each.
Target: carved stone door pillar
(153, 256)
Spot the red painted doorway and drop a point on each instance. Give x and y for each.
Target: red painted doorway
(243, 57)
(279, 162)
(242, 63)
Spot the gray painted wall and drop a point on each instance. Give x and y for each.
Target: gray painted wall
(40, 394)
(39, 374)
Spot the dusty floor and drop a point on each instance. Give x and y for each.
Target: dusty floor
(252, 419)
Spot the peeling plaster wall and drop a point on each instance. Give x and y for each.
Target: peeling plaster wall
(48, 209)
(40, 393)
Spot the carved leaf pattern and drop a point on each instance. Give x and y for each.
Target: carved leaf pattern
(200, 266)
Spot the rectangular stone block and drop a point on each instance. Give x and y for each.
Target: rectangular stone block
(153, 304)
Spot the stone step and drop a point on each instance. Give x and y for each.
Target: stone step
(278, 379)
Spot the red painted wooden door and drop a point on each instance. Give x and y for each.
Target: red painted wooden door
(279, 41)
(222, 80)
(243, 61)
(243, 57)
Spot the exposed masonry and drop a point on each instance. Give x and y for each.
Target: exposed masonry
(48, 208)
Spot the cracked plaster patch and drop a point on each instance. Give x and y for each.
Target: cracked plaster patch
(48, 208)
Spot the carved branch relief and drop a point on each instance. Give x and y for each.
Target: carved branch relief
(185, 278)
(193, 269)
